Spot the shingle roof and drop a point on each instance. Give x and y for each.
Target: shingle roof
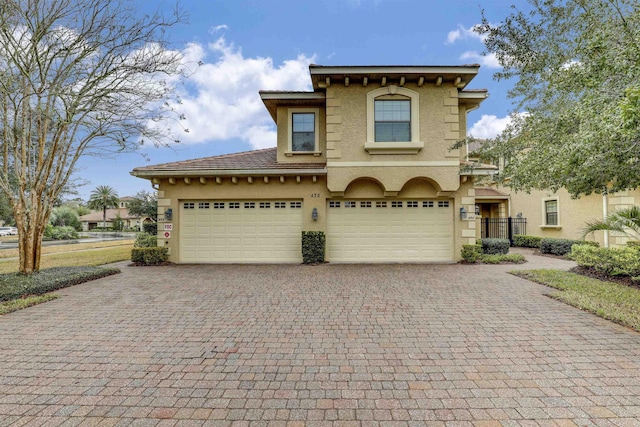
(258, 160)
(111, 214)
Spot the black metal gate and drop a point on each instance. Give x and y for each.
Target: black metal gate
(502, 228)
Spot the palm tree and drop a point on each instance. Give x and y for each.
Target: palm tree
(103, 197)
(625, 221)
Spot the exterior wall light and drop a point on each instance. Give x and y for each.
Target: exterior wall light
(463, 213)
(314, 214)
(168, 214)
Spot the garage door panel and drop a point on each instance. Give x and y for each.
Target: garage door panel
(240, 231)
(390, 231)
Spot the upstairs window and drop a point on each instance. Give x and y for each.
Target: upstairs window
(392, 120)
(551, 212)
(303, 132)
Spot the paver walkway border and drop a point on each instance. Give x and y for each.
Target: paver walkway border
(434, 345)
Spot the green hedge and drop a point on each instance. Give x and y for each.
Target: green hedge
(471, 253)
(60, 233)
(313, 246)
(524, 241)
(495, 246)
(623, 261)
(149, 256)
(13, 286)
(561, 246)
(145, 240)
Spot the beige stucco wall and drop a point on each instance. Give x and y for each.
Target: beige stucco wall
(347, 116)
(283, 138)
(347, 135)
(312, 194)
(573, 213)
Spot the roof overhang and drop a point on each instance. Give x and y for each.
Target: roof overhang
(226, 172)
(273, 99)
(478, 170)
(472, 98)
(460, 75)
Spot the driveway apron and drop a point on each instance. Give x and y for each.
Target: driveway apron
(207, 345)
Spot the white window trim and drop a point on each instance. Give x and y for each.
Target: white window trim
(316, 111)
(544, 213)
(400, 147)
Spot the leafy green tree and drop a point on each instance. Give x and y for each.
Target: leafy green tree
(103, 198)
(117, 223)
(625, 221)
(65, 216)
(575, 67)
(144, 204)
(77, 78)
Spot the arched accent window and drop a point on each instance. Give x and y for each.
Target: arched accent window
(393, 121)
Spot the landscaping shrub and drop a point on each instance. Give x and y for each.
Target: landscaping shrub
(149, 256)
(471, 253)
(611, 261)
(150, 228)
(495, 246)
(633, 244)
(524, 241)
(14, 285)
(562, 246)
(60, 233)
(145, 240)
(313, 245)
(503, 258)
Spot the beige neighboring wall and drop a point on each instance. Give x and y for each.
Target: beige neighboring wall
(312, 194)
(573, 213)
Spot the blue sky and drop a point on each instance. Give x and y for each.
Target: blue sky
(248, 45)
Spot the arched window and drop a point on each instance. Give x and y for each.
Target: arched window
(393, 121)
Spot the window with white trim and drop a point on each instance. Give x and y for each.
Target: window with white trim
(393, 121)
(551, 212)
(303, 130)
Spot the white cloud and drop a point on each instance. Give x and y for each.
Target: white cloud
(462, 33)
(220, 100)
(218, 28)
(489, 126)
(490, 60)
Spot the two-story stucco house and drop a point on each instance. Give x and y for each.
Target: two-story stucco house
(365, 157)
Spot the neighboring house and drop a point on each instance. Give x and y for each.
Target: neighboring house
(560, 216)
(365, 157)
(95, 219)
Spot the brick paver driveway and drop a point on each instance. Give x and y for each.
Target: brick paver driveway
(451, 345)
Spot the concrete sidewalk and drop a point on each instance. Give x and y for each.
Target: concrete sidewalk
(434, 345)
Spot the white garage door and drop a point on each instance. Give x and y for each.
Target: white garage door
(219, 231)
(390, 231)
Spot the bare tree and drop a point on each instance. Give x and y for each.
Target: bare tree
(77, 77)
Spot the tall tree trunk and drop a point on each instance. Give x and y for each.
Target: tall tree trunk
(30, 245)
(104, 217)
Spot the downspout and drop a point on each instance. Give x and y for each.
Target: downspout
(604, 217)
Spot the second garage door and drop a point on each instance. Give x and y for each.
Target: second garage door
(220, 231)
(390, 231)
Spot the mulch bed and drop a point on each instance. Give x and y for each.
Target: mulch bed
(589, 272)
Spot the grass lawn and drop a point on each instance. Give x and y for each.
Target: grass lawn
(60, 266)
(612, 301)
(76, 255)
